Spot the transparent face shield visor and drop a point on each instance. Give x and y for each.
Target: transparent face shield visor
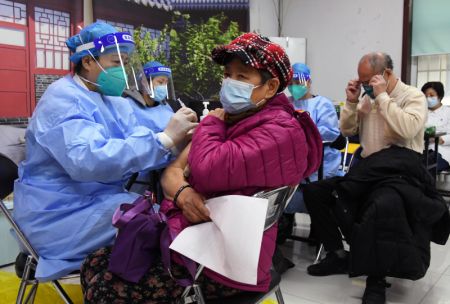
(135, 75)
(119, 47)
(160, 84)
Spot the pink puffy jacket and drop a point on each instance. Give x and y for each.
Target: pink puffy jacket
(272, 148)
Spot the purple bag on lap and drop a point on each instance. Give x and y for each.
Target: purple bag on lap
(137, 245)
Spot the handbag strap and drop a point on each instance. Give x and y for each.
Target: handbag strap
(166, 260)
(126, 212)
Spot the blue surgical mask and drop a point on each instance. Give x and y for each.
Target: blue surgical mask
(160, 93)
(235, 96)
(432, 102)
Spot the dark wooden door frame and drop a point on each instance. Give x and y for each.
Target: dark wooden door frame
(406, 45)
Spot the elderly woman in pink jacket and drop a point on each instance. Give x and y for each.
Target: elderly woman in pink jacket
(256, 142)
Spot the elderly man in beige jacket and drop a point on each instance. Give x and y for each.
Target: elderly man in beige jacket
(389, 113)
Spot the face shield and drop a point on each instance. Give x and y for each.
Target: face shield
(115, 49)
(160, 83)
(136, 76)
(298, 87)
(300, 79)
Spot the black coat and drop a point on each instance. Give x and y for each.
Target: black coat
(389, 211)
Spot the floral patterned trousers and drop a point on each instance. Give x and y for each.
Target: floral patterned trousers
(156, 286)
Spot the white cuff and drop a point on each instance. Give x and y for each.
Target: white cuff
(165, 140)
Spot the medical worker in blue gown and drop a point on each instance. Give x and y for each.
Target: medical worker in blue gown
(323, 113)
(151, 87)
(148, 97)
(83, 142)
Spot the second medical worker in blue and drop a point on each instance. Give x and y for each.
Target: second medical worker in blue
(149, 94)
(323, 113)
(82, 144)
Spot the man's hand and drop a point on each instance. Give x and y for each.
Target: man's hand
(353, 90)
(219, 113)
(379, 85)
(193, 206)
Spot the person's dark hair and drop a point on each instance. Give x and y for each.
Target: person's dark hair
(79, 65)
(380, 61)
(265, 76)
(435, 85)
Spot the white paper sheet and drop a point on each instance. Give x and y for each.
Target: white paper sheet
(231, 243)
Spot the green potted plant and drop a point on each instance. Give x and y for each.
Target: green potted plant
(189, 55)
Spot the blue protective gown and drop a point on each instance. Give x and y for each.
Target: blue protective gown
(80, 149)
(156, 118)
(324, 115)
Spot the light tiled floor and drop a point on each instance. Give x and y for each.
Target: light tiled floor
(300, 288)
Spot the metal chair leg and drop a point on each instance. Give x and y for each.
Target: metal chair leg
(25, 281)
(31, 294)
(279, 295)
(198, 294)
(196, 297)
(185, 293)
(29, 265)
(21, 293)
(61, 292)
(319, 254)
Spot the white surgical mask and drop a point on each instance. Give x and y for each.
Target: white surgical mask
(432, 101)
(235, 96)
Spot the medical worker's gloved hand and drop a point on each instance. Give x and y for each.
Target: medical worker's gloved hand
(181, 122)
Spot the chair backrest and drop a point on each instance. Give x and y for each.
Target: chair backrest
(278, 200)
(339, 143)
(9, 179)
(8, 173)
(344, 155)
(23, 240)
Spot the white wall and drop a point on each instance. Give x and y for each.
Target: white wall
(337, 32)
(263, 17)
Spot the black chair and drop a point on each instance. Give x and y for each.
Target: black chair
(355, 156)
(150, 182)
(432, 164)
(8, 173)
(340, 143)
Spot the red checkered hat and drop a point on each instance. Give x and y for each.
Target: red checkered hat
(258, 52)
